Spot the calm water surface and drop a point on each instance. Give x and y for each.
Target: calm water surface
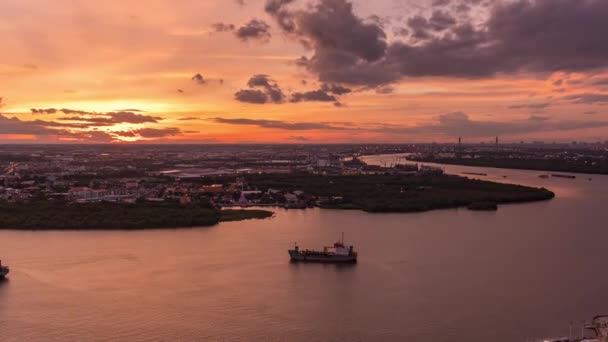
(452, 275)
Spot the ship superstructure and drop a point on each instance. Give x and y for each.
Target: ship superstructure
(338, 253)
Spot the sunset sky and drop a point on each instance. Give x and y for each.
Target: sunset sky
(302, 71)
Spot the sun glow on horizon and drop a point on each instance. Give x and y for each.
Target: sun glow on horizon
(228, 72)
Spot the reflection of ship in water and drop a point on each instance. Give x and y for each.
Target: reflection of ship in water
(3, 270)
(598, 326)
(339, 253)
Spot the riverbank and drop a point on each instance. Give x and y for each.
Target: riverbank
(398, 193)
(232, 215)
(48, 215)
(550, 165)
(378, 193)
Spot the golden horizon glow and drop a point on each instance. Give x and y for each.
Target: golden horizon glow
(138, 56)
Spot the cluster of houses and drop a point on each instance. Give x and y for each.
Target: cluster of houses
(232, 194)
(86, 178)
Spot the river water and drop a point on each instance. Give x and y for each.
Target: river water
(522, 272)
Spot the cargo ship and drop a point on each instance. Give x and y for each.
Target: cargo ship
(339, 253)
(3, 270)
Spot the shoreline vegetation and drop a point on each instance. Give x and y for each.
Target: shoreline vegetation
(387, 193)
(380, 193)
(48, 215)
(548, 165)
(234, 215)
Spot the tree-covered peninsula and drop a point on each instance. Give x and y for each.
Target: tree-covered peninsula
(199, 206)
(398, 193)
(46, 215)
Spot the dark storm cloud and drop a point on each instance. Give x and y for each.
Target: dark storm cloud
(157, 132)
(149, 132)
(263, 90)
(129, 110)
(314, 95)
(536, 106)
(385, 90)
(72, 111)
(79, 112)
(449, 124)
(85, 131)
(112, 118)
(271, 88)
(290, 126)
(297, 138)
(251, 96)
(518, 36)
(44, 111)
(459, 124)
(254, 29)
(335, 89)
(332, 26)
(420, 27)
(277, 9)
(275, 6)
(125, 134)
(380, 21)
(261, 81)
(462, 8)
(599, 82)
(68, 111)
(275, 95)
(537, 118)
(199, 79)
(440, 2)
(401, 31)
(222, 27)
(441, 20)
(130, 117)
(346, 49)
(17, 126)
(85, 122)
(588, 98)
(91, 136)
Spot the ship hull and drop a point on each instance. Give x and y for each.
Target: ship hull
(297, 256)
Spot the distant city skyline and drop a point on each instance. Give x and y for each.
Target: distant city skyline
(303, 71)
